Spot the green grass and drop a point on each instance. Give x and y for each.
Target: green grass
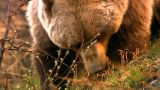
(138, 74)
(30, 82)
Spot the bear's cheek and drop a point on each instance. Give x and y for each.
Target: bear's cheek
(65, 39)
(65, 33)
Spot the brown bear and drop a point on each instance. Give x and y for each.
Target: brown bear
(63, 30)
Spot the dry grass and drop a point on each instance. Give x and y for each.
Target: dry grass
(141, 73)
(17, 72)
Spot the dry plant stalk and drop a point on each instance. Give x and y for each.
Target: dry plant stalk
(3, 40)
(5, 37)
(22, 3)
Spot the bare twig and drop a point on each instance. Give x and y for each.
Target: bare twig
(22, 3)
(2, 41)
(6, 82)
(8, 22)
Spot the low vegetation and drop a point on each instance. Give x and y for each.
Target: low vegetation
(141, 73)
(17, 71)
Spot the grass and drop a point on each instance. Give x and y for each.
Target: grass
(30, 82)
(17, 74)
(138, 74)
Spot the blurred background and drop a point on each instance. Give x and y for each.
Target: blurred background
(16, 58)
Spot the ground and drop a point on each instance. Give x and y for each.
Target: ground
(17, 72)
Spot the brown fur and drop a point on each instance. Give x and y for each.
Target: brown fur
(70, 24)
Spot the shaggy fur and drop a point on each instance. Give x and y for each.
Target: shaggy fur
(69, 26)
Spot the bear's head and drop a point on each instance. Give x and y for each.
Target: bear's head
(72, 23)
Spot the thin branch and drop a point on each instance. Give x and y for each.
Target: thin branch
(22, 3)
(2, 41)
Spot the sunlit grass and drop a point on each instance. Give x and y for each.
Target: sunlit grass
(30, 82)
(138, 74)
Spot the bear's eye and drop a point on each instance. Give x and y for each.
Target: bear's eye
(48, 6)
(48, 3)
